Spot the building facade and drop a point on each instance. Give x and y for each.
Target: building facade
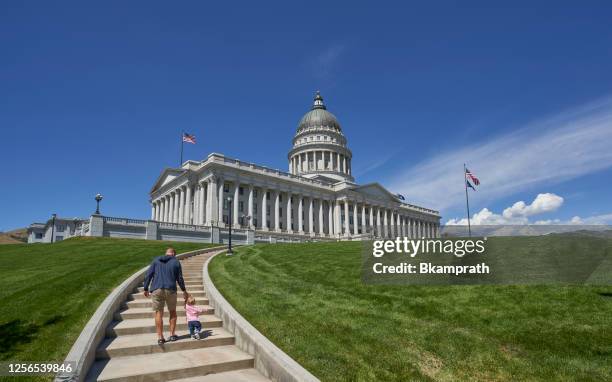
(316, 199)
(55, 229)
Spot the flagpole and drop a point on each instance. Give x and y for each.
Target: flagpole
(182, 143)
(467, 200)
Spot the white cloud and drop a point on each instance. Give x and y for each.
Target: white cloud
(518, 213)
(605, 219)
(570, 145)
(542, 203)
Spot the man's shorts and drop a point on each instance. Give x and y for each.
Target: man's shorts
(161, 297)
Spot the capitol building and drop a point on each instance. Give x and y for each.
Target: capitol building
(318, 198)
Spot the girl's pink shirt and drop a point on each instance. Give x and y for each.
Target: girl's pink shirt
(192, 312)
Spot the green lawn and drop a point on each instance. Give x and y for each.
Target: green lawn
(49, 291)
(309, 300)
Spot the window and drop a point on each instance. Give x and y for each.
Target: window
(241, 191)
(254, 208)
(225, 187)
(225, 202)
(38, 235)
(280, 198)
(280, 212)
(60, 227)
(59, 238)
(255, 193)
(226, 219)
(268, 211)
(255, 222)
(268, 195)
(241, 206)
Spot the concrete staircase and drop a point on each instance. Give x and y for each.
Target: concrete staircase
(130, 351)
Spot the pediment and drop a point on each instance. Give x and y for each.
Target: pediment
(167, 176)
(376, 191)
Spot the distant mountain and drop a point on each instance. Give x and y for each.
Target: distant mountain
(602, 231)
(16, 236)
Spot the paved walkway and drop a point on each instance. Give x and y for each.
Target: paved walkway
(130, 351)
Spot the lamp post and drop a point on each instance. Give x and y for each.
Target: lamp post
(53, 216)
(229, 208)
(75, 222)
(98, 199)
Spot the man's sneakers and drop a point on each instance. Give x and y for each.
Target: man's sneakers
(196, 336)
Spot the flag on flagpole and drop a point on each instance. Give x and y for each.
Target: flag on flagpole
(467, 183)
(472, 177)
(189, 138)
(400, 197)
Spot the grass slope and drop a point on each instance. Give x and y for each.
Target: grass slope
(49, 291)
(309, 300)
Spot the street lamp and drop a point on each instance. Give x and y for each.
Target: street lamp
(229, 208)
(53, 216)
(98, 200)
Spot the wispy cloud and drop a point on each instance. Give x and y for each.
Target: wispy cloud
(325, 62)
(569, 145)
(373, 165)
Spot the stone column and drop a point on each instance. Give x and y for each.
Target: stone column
(264, 209)
(250, 208)
(392, 223)
(338, 162)
(300, 214)
(378, 223)
(170, 207)
(196, 204)
(321, 224)
(181, 206)
(363, 219)
(220, 201)
(330, 218)
(188, 205)
(165, 209)
(236, 204)
(347, 222)
(337, 219)
(355, 219)
(344, 164)
(385, 224)
(211, 202)
(288, 214)
(277, 211)
(203, 205)
(299, 163)
(311, 230)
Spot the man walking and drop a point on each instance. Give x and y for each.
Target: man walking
(163, 275)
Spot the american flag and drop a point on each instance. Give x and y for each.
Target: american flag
(472, 177)
(189, 138)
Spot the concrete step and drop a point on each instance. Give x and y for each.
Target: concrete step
(147, 325)
(136, 344)
(146, 303)
(131, 313)
(195, 293)
(195, 288)
(244, 375)
(172, 365)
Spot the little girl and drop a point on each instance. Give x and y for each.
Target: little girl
(192, 312)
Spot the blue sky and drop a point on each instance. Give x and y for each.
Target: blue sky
(93, 98)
